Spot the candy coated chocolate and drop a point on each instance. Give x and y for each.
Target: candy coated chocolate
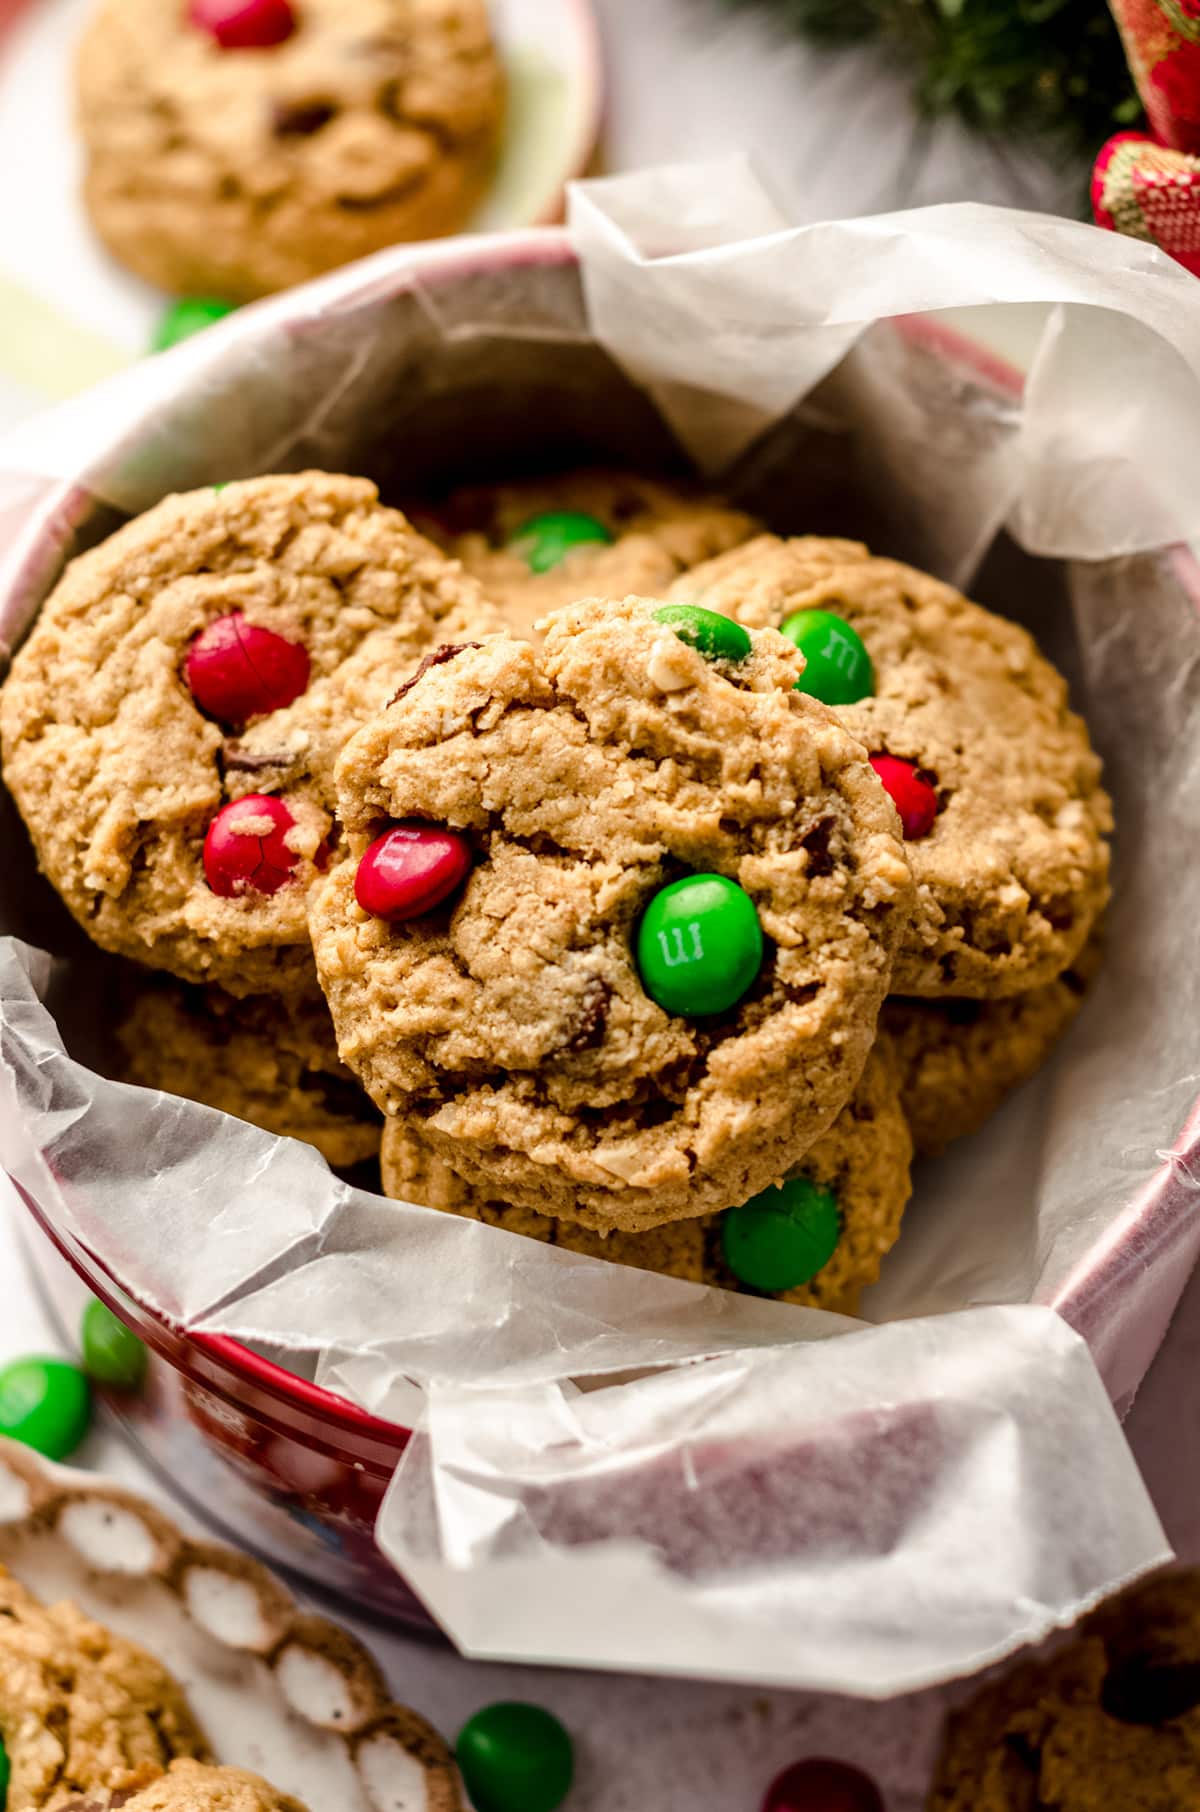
(245, 851)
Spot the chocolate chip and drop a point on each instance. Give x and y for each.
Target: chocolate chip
(1142, 1689)
(236, 759)
(815, 842)
(446, 652)
(300, 119)
(594, 1016)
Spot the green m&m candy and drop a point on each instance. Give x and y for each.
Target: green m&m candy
(545, 540)
(46, 1404)
(784, 1236)
(515, 1758)
(716, 637)
(838, 670)
(699, 945)
(188, 316)
(112, 1353)
(5, 1776)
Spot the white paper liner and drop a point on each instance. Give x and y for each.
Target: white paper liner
(622, 1470)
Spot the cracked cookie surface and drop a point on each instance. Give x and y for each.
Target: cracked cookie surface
(118, 772)
(511, 1024)
(1014, 873)
(235, 173)
(266, 1059)
(658, 530)
(864, 1159)
(82, 1711)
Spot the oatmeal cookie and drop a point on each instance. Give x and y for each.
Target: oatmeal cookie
(655, 530)
(511, 1023)
(81, 1711)
(863, 1160)
(309, 602)
(235, 172)
(1112, 1719)
(1013, 873)
(272, 1061)
(960, 1059)
(190, 1787)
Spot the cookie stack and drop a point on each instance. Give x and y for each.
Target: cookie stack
(661, 931)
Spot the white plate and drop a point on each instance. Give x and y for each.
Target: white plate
(69, 315)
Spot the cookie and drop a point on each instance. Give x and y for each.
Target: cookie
(81, 1711)
(233, 172)
(643, 531)
(268, 1060)
(584, 778)
(960, 1059)
(1110, 1720)
(211, 658)
(1012, 871)
(863, 1160)
(191, 1787)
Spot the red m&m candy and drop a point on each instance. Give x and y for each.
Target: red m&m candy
(237, 670)
(822, 1785)
(913, 797)
(244, 851)
(244, 24)
(411, 869)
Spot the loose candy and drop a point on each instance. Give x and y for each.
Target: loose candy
(838, 668)
(716, 637)
(244, 24)
(245, 851)
(112, 1353)
(545, 540)
(190, 315)
(821, 1785)
(515, 1758)
(46, 1404)
(5, 1776)
(783, 1237)
(699, 946)
(236, 670)
(409, 870)
(912, 796)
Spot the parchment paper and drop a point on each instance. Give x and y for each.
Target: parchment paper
(622, 1470)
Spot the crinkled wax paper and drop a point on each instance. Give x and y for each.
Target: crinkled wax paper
(615, 1469)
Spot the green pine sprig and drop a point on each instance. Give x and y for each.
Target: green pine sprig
(1045, 68)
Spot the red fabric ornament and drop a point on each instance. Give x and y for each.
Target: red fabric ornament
(1162, 43)
(1150, 192)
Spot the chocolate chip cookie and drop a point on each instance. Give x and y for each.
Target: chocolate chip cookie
(170, 725)
(639, 817)
(272, 1061)
(960, 1059)
(994, 775)
(1110, 1720)
(541, 543)
(81, 1711)
(232, 169)
(862, 1161)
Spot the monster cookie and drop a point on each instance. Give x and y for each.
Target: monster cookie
(624, 918)
(994, 778)
(540, 544)
(82, 1712)
(960, 1059)
(1111, 1720)
(170, 726)
(271, 1061)
(850, 1193)
(236, 147)
(190, 1787)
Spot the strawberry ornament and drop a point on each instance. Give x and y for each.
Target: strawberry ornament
(1148, 185)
